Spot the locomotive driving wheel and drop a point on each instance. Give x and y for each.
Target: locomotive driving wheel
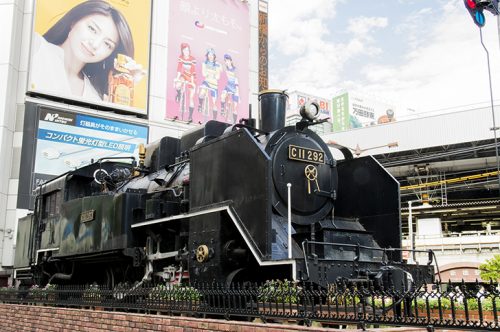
(236, 276)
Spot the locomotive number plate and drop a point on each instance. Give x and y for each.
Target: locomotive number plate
(87, 216)
(305, 154)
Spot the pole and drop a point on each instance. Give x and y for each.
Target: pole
(498, 27)
(410, 233)
(289, 185)
(492, 108)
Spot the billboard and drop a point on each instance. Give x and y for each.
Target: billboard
(92, 51)
(208, 60)
(263, 46)
(297, 99)
(57, 141)
(356, 110)
(324, 108)
(340, 112)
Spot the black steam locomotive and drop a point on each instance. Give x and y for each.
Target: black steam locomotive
(222, 203)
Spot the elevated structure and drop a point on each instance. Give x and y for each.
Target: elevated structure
(449, 157)
(447, 169)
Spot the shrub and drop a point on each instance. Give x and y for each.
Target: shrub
(8, 292)
(279, 291)
(385, 304)
(174, 293)
(50, 287)
(35, 291)
(487, 304)
(121, 290)
(345, 297)
(49, 291)
(92, 293)
(9, 289)
(434, 303)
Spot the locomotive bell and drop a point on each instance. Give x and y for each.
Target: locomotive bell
(272, 110)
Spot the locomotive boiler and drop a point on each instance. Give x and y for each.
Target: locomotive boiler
(223, 203)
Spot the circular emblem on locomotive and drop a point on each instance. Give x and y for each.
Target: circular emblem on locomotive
(311, 173)
(202, 253)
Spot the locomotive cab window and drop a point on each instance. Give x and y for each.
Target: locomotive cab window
(51, 203)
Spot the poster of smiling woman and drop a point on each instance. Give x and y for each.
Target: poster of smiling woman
(94, 51)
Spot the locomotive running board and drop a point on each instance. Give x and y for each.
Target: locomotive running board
(234, 217)
(181, 216)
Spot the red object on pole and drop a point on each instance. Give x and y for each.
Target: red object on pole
(471, 4)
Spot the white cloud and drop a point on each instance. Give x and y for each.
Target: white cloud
(362, 26)
(299, 35)
(443, 65)
(447, 67)
(298, 44)
(415, 26)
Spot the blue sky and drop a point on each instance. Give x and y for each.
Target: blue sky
(420, 54)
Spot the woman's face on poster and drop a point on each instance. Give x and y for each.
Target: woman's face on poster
(186, 51)
(93, 38)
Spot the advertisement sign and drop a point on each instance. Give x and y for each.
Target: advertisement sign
(57, 141)
(208, 60)
(340, 112)
(356, 110)
(93, 51)
(67, 141)
(263, 46)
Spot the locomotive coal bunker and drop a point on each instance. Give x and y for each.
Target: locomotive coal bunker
(222, 203)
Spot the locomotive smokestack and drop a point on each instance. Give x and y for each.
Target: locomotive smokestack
(272, 110)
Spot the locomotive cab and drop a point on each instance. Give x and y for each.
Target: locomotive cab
(78, 216)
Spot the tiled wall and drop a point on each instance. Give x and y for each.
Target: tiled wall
(12, 63)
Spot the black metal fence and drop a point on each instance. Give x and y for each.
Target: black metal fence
(472, 307)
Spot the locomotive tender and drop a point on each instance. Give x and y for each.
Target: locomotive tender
(222, 203)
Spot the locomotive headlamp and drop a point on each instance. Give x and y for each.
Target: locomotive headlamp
(310, 110)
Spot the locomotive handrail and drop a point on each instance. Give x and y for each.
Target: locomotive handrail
(384, 250)
(241, 125)
(345, 150)
(100, 160)
(183, 161)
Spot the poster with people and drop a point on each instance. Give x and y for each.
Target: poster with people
(92, 51)
(208, 60)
